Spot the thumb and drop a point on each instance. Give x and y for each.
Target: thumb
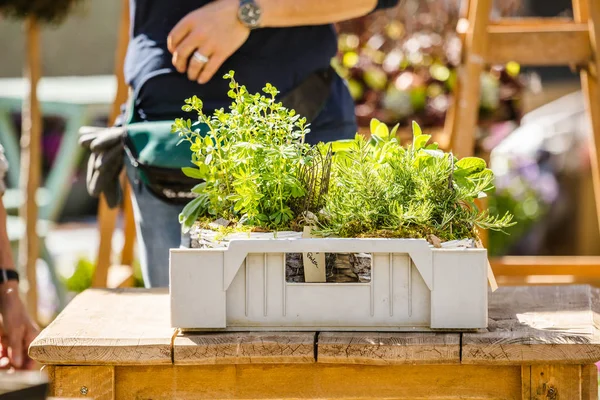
(15, 347)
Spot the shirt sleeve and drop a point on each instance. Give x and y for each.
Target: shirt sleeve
(381, 4)
(3, 169)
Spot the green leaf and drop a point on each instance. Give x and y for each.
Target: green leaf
(416, 129)
(470, 165)
(374, 125)
(434, 153)
(420, 141)
(394, 131)
(192, 211)
(199, 188)
(192, 173)
(382, 131)
(342, 145)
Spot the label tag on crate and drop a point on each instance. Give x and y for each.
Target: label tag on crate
(314, 263)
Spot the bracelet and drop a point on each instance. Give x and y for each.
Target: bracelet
(8, 275)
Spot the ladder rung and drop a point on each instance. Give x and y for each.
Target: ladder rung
(513, 266)
(537, 41)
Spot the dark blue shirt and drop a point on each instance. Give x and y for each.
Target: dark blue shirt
(283, 57)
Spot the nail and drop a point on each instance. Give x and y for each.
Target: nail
(18, 361)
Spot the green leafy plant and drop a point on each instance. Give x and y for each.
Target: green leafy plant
(249, 159)
(257, 172)
(382, 189)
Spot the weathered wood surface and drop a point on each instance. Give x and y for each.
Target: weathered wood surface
(244, 348)
(529, 325)
(388, 348)
(318, 381)
(122, 326)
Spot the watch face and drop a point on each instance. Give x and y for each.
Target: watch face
(250, 14)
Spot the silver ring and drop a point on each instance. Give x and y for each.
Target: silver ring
(201, 58)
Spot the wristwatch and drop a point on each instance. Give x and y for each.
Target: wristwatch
(8, 275)
(249, 13)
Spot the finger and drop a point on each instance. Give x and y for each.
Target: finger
(184, 50)
(4, 345)
(211, 68)
(15, 349)
(4, 361)
(196, 66)
(178, 33)
(30, 336)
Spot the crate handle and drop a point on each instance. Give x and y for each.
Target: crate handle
(418, 250)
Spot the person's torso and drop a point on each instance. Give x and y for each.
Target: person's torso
(280, 56)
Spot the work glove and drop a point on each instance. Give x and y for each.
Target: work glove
(105, 162)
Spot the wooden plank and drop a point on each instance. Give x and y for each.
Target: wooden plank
(120, 53)
(546, 280)
(388, 348)
(49, 371)
(127, 254)
(318, 381)
(548, 44)
(530, 325)
(526, 382)
(122, 326)
(244, 348)
(95, 382)
(555, 382)
(465, 106)
(588, 266)
(107, 218)
(589, 382)
(536, 41)
(31, 163)
(587, 11)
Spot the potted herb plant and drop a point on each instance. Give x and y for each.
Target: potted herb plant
(401, 219)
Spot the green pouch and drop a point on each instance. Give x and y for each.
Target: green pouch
(159, 156)
(152, 144)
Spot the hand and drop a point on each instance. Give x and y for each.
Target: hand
(17, 330)
(214, 31)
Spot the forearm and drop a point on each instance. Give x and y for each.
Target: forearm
(6, 260)
(282, 13)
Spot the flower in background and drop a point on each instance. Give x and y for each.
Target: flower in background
(526, 187)
(401, 66)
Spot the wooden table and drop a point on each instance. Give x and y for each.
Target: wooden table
(117, 344)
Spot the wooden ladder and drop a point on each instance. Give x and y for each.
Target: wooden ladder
(530, 42)
(117, 275)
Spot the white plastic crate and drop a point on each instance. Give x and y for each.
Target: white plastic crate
(413, 287)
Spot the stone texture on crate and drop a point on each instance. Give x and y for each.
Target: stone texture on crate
(340, 268)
